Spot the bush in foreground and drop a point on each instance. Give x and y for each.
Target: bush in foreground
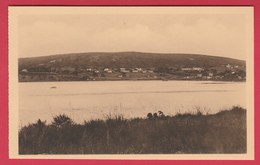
(224, 132)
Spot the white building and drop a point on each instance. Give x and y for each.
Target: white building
(211, 74)
(197, 69)
(24, 71)
(108, 70)
(124, 70)
(186, 69)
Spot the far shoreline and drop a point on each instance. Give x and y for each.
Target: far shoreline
(125, 80)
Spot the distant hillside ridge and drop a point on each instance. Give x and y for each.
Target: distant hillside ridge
(127, 60)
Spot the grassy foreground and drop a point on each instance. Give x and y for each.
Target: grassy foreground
(224, 132)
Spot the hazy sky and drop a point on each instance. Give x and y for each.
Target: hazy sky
(212, 32)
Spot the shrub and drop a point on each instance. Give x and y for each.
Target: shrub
(40, 124)
(149, 115)
(62, 120)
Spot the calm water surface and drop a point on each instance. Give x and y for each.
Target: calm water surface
(91, 100)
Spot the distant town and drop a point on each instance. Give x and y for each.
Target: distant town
(46, 72)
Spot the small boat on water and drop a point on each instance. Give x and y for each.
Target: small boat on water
(53, 87)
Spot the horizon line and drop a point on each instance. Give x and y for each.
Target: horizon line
(162, 53)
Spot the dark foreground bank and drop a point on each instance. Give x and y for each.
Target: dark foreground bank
(224, 132)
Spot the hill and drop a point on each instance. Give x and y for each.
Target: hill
(128, 60)
(130, 66)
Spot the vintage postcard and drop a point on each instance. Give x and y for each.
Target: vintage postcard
(165, 83)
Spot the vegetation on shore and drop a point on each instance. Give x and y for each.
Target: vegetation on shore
(223, 132)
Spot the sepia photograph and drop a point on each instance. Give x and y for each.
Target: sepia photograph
(131, 82)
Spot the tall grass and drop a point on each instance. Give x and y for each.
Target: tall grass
(224, 132)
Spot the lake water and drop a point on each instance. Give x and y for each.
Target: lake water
(97, 99)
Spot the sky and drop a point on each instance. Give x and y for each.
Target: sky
(217, 31)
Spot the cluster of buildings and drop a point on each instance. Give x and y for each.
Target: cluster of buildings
(136, 70)
(227, 72)
(214, 73)
(193, 69)
(121, 70)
